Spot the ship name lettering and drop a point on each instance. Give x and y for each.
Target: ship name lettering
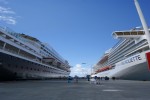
(133, 59)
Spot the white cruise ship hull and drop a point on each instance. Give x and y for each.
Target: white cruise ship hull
(129, 70)
(16, 67)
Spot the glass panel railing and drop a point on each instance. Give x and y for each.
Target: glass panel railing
(141, 33)
(134, 33)
(126, 33)
(119, 33)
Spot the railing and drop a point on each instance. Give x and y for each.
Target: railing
(128, 34)
(23, 55)
(11, 32)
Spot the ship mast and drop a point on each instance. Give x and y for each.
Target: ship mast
(143, 21)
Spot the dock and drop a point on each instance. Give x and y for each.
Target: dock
(83, 90)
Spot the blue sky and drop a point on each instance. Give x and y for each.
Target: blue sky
(79, 30)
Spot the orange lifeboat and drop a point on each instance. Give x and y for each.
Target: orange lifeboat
(103, 69)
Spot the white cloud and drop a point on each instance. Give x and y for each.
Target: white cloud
(79, 70)
(4, 10)
(8, 19)
(7, 15)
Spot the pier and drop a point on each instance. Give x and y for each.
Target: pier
(83, 90)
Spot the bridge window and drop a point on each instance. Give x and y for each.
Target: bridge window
(140, 33)
(133, 33)
(126, 33)
(119, 33)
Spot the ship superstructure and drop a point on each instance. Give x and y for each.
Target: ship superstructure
(126, 60)
(25, 57)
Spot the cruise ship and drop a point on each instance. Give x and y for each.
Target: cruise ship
(130, 57)
(25, 57)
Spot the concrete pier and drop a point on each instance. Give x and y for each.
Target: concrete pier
(61, 90)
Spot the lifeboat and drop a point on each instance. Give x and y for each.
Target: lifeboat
(103, 69)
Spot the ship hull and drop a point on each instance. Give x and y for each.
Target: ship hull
(12, 67)
(137, 70)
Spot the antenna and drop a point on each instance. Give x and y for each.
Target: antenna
(143, 21)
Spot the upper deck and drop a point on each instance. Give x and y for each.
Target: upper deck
(29, 47)
(128, 34)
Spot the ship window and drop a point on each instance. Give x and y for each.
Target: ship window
(11, 57)
(119, 33)
(133, 33)
(16, 66)
(126, 33)
(1, 60)
(8, 65)
(140, 33)
(15, 73)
